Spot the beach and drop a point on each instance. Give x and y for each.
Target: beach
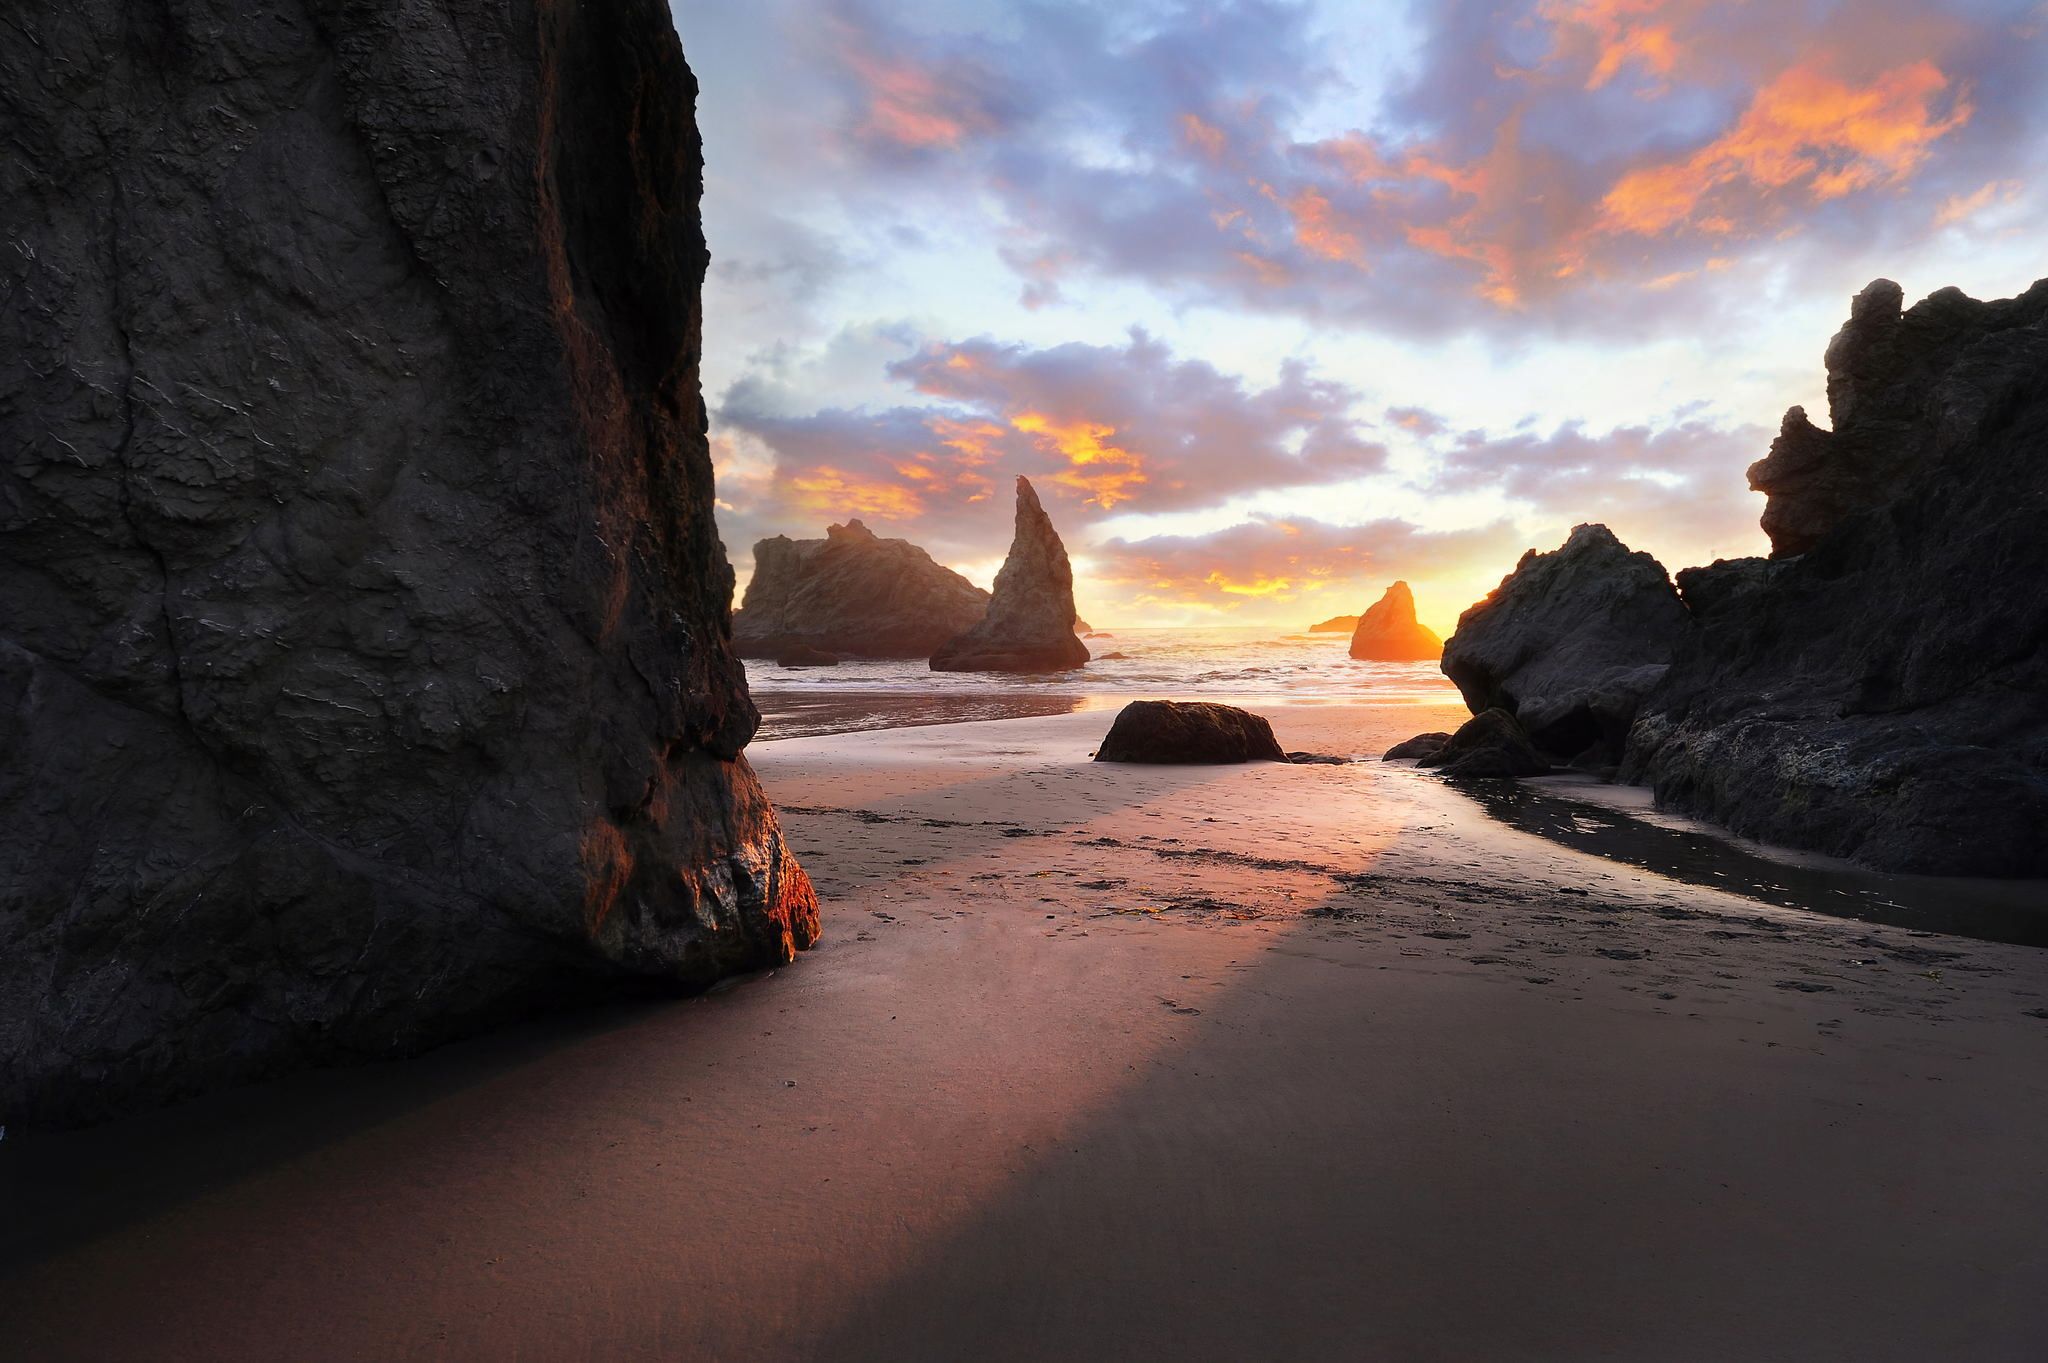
(1319, 1061)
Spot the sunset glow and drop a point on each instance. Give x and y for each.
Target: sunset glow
(1427, 285)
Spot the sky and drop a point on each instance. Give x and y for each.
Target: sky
(1276, 303)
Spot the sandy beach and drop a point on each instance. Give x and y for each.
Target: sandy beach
(1267, 1062)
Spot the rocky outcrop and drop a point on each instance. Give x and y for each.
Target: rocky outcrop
(1389, 631)
(363, 661)
(853, 595)
(802, 655)
(1418, 748)
(1336, 624)
(1029, 624)
(1569, 644)
(1490, 744)
(1878, 689)
(1165, 731)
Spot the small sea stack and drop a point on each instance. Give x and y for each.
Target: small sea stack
(1390, 633)
(1029, 623)
(852, 594)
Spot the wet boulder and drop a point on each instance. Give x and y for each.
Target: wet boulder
(1176, 732)
(1490, 744)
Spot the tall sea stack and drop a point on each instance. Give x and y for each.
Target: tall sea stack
(1030, 623)
(364, 675)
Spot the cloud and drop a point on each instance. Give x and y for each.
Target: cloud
(1272, 559)
(1100, 429)
(1535, 166)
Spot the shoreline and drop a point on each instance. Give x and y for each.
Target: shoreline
(1099, 1061)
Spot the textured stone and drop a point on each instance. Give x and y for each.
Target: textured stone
(363, 661)
(1879, 688)
(1490, 744)
(1389, 631)
(1168, 732)
(1029, 624)
(851, 594)
(1569, 643)
(1420, 748)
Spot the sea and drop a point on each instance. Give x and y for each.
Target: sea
(1234, 665)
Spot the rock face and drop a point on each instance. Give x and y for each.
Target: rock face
(1029, 624)
(1569, 644)
(853, 595)
(1336, 624)
(1878, 689)
(363, 661)
(1420, 747)
(1492, 743)
(1165, 731)
(1389, 631)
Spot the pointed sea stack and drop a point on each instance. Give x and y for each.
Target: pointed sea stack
(1029, 625)
(363, 662)
(1390, 633)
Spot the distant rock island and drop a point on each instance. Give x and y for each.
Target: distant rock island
(1029, 623)
(851, 594)
(1878, 687)
(364, 677)
(1336, 624)
(1389, 631)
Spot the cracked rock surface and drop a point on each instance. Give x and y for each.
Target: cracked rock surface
(363, 662)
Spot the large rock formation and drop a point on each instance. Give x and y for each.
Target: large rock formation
(851, 594)
(1029, 624)
(363, 669)
(1569, 644)
(1389, 631)
(1336, 624)
(1176, 732)
(1879, 687)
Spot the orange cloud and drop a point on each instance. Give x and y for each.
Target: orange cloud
(1619, 32)
(1321, 230)
(1804, 128)
(1203, 136)
(911, 107)
(1106, 472)
(835, 492)
(1961, 207)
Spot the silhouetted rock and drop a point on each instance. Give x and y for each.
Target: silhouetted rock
(1421, 747)
(1112, 657)
(1389, 631)
(1490, 743)
(1878, 689)
(851, 594)
(1165, 731)
(799, 655)
(363, 669)
(1569, 644)
(1029, 624)
(1336, 624)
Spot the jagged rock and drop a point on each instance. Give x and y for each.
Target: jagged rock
(1029, 624)
(852, 594)
(1389, 631)
(1879, 688)
(1336, 624)
(1165, 731)
(1422, 747)
(1491, 744)
(363, 671)
(1569, 643)
(800, 655)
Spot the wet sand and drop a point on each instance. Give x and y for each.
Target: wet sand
(1319, 1062)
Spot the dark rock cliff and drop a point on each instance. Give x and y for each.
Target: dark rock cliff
(363, 669)
(853, 594)
(1879, 687)
(1569, 643)
(1029, 625)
